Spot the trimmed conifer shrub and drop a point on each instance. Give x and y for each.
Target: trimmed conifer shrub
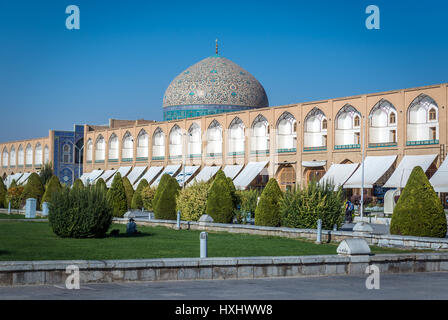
(165, 207)
(34, 189)
(3, 192)
(267, 212)
(13, 184)
(46, 173)
(51, 188)
(137, 202)
(148, 194)
(163, 181)
(220, 201)
(80, 212)
(117, 197)
(419, 211)
(78, 184)
(192, 201)
(101, 184)
(128, 190)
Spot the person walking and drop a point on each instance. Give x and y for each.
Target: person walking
(349, 208)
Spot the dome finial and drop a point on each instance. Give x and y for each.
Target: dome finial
(216, 46)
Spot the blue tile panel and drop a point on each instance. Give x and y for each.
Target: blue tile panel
(191, 111)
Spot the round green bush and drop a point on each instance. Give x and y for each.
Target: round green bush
(137, 202)
(34, 189)
(148, 194)
(129, 190)
(419, 211)
(52, 187)
(165, 205)
(267, 212)
(220, 200)
(192, 201)
(80, 213)
(117, 197)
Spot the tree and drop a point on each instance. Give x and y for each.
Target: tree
(34, 189)
(419, 211)
(268, 209)
(51, 188)
(78, 184)
(163, 181)
(117, 197)
(129, 190)
(192, 201)
(3, 192)
(220, 202)
(46, 173)
(101, 184)
(13, 184)
(165, 205)
(15, 196)
(137, 201)
(148, 194)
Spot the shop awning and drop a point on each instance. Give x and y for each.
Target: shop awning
(205, 174)
(171, 170)
(95, 175)
(249, 173)
(107, 175)
(136, 173)
(401, 175)
(232, 171)
(338, 174)
(189, 172)
(123, 172)
(314, 164)
(149, 175)
(440, 179)
(374, 168)
(10, 178)
(24, 178)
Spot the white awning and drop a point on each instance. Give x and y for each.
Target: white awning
(136, 173)
(401, 175)
(149, 176)
(84, 176)
(95, 175)
(123, 172)
(10, 178)
(338, 174)
(313, 164)
(232, 171)
(171, 170)
(440, 179)
(374, 168)
(249, 173)
(205, 174)
(24, 178)
(107, 175)
(189, 172)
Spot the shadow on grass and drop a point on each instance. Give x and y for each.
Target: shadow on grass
(125, 235)
(4, 252)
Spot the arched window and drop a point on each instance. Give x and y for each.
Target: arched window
(100, 149)
(89, 151)
(236, 137)
(194, 141)
(29, 155)
(5, 157)
(38, 155)
(315, 137)
(142, 145)
(13, 160)
(423, 122)
(175, 147)
(127, 153)
(260, 135)
(347, 128)
(383, 126)
(21, 156)
(113, 148)
(46, 155)
(286, 133)
(66, 153)
(214, 139)
(158, 145)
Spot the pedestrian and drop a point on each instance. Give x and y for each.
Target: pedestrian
(131, 227)
(349, 208)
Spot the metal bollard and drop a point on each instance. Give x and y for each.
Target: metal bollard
(178, 220)
(203, 239)
(45, 209)
(335, 227)
(319, 231)
(9, 207)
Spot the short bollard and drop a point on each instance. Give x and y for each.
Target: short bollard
(319, 231)
(335, 227)
(203, 239)
(178, 220)
(45, 209)
(30, 208)
(9, 207)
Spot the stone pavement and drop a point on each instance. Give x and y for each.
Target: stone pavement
(392, 286)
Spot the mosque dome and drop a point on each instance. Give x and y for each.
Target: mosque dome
(213, 85)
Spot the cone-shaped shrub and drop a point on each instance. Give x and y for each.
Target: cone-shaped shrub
(34, 189)
(52, 187)
(78, 184)
(165, 207)
(267, 212)
(137, 202)
(419, 211)
(101, 184)
(117, 197)
(80, 212)
(220, 202)
(148, 194)
(163, 181)
(128, 190)
(46, 173)
(13, 184)
(2, 194)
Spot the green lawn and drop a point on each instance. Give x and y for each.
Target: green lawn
(20, 241)
(15, 216)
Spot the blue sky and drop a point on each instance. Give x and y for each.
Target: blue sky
(120, 62)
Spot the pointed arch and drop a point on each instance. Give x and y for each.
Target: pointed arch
(158, 144)
(29, 155)
(194, 141)
(89, 151)
(214, 139)
(13, 157)
(38, 154)
(46, 154)
(260, 135)
(5, 157)
(348, 128)
(382, 124)
(142, 145)
(236, 137)
(113, 148)
(127, 151)
(100, 149)
(423, 121)
(286, 133)
(20, 156)
(175, 146)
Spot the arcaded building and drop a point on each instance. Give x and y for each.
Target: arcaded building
(217, 115)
